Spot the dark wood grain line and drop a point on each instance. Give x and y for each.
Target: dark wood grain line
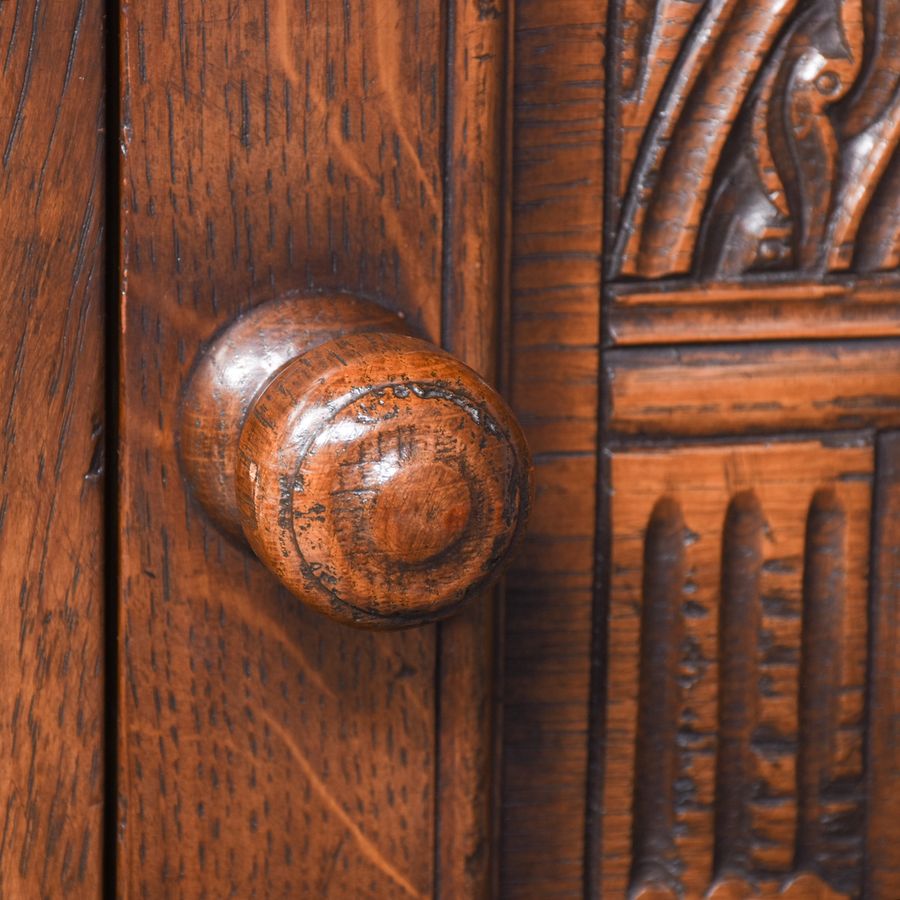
(52, 191)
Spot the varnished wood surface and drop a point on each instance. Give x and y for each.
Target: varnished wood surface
(754, 136)
(477, 168)
(230, 373)
(750, 149)
(752, 163)
(759, 309)
(753, 389)
(382, 481)
(737, 660)
(554, 331)
(263, 750)
(752, 156)
(409, 481)
(51, 451)
(882, 874)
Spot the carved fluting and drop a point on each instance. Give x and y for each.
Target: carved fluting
(738, 637)
(829, 810)
(739, 677)
(766, 141)
(654, 856)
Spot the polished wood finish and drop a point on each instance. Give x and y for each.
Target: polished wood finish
(753, 389)
(382, 481)
(760, 308)
(411, 480)
(230, 374)
(475, 234)
(747, 275)
(755, 136)
(743, 694)
(554, 361)
(52, 220)
(698, 689)
(269, 149)
(882, 874)
(263, 747)
(737, 669)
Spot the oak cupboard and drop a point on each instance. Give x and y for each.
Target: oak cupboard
(667, 232)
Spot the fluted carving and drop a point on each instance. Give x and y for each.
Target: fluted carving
(737, 673)
(739, 623)
(654, 860)
(829, 810)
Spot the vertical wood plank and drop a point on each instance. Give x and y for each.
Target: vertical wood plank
(882, 865)
(265, 751)
(554, 333)
(51, 452)
(475, 165)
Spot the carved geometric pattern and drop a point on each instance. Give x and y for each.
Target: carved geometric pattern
(734, 725)
(754, 136)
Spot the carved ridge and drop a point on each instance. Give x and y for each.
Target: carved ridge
(739, 624)
(654, 860)
(772, 144)
(829, 837)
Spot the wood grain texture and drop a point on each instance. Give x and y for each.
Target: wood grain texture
(882, 873)
(264, 750)
(777, 756)
(753, 389)
(232, 371)
(476, 173)
(675, 311)
(51, 456)
(764, 723)
(554, 333)
(271, 149)
(381, 480)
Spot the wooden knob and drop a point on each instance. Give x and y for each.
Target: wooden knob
(380, 479)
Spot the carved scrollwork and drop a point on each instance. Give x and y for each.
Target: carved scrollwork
(767, 141)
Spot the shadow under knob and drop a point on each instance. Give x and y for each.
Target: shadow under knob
(380, 479)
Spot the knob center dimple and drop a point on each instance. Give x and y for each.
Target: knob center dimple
(421, 511)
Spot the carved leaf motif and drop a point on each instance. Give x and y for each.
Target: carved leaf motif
(820, 63)
(769, 141)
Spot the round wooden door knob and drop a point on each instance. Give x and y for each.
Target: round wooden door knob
(381, 480)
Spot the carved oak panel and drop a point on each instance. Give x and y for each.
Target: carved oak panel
(756, 135)
(754, 187)
(737, 670)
